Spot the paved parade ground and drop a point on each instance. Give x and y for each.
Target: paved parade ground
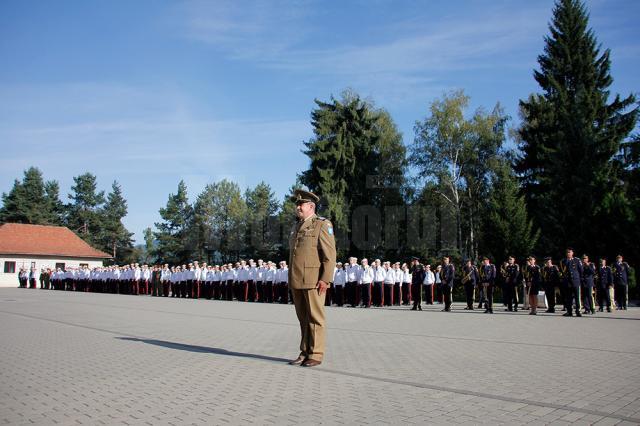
(76, 358)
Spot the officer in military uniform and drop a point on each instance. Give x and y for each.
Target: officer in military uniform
(571, 271)
(417, 277)
(588, 277)
(448, 277)
(510, 293)
(550, 280)
(487, 280)
(605, 281)
(621, 279)
(312, 262)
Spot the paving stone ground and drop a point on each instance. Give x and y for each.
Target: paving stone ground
(80, 358)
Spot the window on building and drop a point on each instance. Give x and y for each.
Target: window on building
(33, 264)
(82, 265)
(60, 265)
(9, 267)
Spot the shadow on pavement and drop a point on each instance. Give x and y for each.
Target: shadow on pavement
(202, 349)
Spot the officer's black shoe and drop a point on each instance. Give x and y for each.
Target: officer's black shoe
(414, 308)
(600, 310)
(578, 314)
(490, 311)
(568, 314)
(593, 312)
(515, 310)
(486, 311)
(419, 308)
(608, 309)
(480, 306)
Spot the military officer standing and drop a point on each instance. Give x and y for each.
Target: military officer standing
(487, 280)
(313, 260)
(550, 280)
(588, 277)
(448, 276)
(605, 281)
(571, 270)
(417, 278)
(621, 279)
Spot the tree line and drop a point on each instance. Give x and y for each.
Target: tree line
(471, 183)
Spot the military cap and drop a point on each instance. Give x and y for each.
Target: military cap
(414, 258)
(547, 258)
(302, 196)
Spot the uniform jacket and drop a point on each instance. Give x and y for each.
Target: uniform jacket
(571, 270)
(312, 251)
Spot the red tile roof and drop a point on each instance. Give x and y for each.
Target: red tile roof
(41, 240)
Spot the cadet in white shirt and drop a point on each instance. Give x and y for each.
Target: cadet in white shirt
(351, 290)
(379, 274)
(397, 284)
(406, 284)
(283, 283)
(389, 282)
(365, 283)
(339, 280)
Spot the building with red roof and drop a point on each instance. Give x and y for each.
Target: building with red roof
(42, 247)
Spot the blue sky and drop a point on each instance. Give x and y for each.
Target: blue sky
(151, 92)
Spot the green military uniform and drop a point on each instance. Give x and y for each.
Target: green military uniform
(312, 259)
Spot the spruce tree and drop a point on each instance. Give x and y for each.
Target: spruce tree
(571, 132)
(115, 239)
(84, 212)
(173, 237)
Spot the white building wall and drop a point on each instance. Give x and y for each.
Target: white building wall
(23, 261)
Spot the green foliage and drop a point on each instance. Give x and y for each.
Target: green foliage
(114, 238)
(508, 231)
(264, 230)
(456, 156)
(357, 159)
(32, 201)
(570, 134)
(84, 215)
(173, 236)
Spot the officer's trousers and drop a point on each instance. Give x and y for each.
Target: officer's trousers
(488, 297)
(396, 294)
(621, 296)
(469, 291)
(603, 298)
(310, 311)
(550, 294)
(573, 293)
(446, 296)
(406, 288)
(588, 302)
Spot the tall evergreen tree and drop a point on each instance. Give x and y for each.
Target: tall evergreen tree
(508, 229)
(114, 236)
(84, 212)
(54, 208)
(262, 208)
(571, 132)
(32, 200)
(350, 168)
(173, 237)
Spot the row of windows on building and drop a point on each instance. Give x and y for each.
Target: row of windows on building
(10, 266)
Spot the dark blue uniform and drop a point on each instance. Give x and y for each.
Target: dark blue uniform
(571, 270)
(621, 279)
(470, 278)
(448, 274)
(550, 280)
(588, 276)
(605, 281)
(487, 280)
(512, 276)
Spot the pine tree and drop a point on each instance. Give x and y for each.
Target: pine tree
(350, 152)
(173, 237)
(508, 230)
(114, 236)
(571, 132)
(262, 209)
(32, 201)
(84, 212)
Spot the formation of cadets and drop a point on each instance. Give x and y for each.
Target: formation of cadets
(573, 283)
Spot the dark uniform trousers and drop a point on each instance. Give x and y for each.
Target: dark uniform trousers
(428, 294)
(365, 294)
(603, 298)
(338, 295)
(573, 293)
(406, 288)
(388, 294)
(378, 293)
(488, 296)
(396, 294)
(446, 296)
(351, 288)
(469, 291)
(251, 291)
(260, 297)
(621, 295)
